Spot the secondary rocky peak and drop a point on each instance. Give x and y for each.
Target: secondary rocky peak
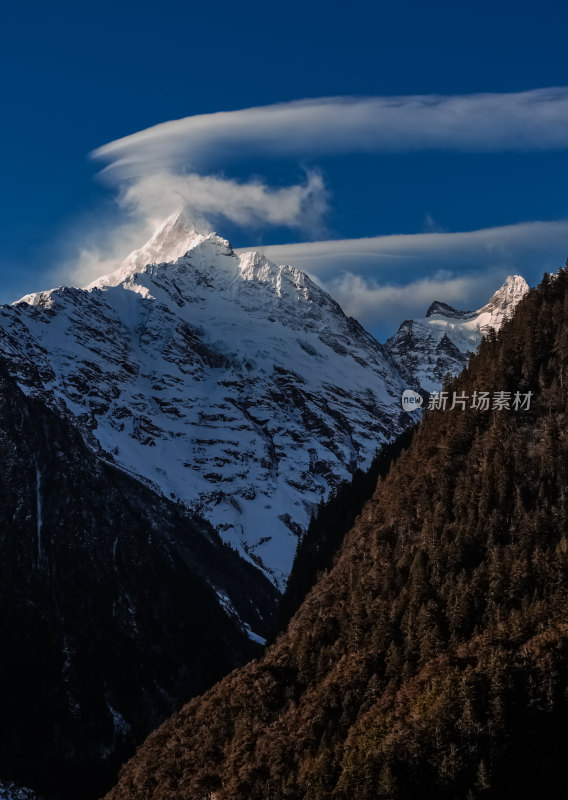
(440, 343)
(508, 295)
(503, 300)
(288, 283)
(444, 310)
(502, 304)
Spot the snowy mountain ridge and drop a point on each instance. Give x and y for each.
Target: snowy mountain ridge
(441, 342)
(231, 384)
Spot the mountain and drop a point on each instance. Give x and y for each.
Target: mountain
(431, 660)
(234, 386)
(440, 343)
(116, 606)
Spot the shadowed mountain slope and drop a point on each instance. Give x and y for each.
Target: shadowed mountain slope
(116, 606)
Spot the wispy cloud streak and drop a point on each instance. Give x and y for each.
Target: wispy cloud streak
(177, 162)
(532, 120)
(386, 279)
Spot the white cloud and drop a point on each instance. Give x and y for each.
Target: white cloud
(158, 169)
(531, 244)
(535, 120)
(386, 279)
(97, 252)
(382, 307)
(157, 194)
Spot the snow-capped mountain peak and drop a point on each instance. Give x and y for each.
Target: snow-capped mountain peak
(232, 384)
(440, 343)
(492, 315)
(175, 237)
(502, 303)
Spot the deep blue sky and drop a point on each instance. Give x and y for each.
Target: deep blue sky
(77, 76)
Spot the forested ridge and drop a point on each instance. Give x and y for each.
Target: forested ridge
(431, 661)
(332, 520)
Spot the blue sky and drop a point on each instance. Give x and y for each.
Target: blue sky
(75, 78)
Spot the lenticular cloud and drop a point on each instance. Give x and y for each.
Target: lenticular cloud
(534, 120)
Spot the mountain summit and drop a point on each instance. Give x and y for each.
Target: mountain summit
(230, 384)
(502, 304)
(440, 343)
(171, 240)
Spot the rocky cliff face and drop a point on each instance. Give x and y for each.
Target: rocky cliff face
(230, 384)
(439, 344)
(116, 605)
